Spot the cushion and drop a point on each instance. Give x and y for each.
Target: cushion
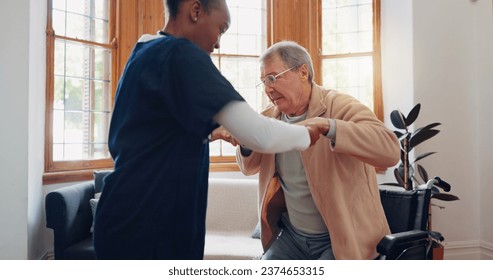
(98, 179)
(94, 205)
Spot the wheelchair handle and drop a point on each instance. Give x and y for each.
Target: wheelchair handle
(437, 181)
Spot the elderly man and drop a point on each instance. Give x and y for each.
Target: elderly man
(324, 202)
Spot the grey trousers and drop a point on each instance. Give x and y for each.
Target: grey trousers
(291, 244)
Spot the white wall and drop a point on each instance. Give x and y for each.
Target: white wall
(445, 84)
(484, 65)
(446, 81)
(439, 53)
(397, 62)
(22, 89)
(14, 89)
(37, 83)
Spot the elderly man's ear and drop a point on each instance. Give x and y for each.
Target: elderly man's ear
(304, 72)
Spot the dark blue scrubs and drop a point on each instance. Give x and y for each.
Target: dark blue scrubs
(153, 205)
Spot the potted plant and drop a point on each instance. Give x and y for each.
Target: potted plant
(405, 174)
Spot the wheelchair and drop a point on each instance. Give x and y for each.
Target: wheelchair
(407, 213)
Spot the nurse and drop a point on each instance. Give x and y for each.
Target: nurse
(169, 100)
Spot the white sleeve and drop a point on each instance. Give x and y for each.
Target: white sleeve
(260, 133)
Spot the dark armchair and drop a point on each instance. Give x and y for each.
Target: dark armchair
(68, 213)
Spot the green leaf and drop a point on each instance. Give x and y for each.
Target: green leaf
(398, 177)
(421, 136)
(398, 119)
(422, 156)
(428, 127)
(398, 134)
(422, 172)
(413, 115)
(444, 196)
(392, 184)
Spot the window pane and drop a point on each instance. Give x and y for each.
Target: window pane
(80, 135)
(347, 30)
(82, 100)
(75, 151)
(59, 4)
(59, 90)
(81, 7)
(246, 35)
(102, 9)
(76, 60)
(59, 22)
(75, 94)
(353, 76)
(102, 64)
(347, 27)
(228, 149)
(78, 26)
(98, 151)
(100, 125)
(82, 80)
(58, 126)
(60, 52)
(101, 31)
(83, 19)
(244, 74)
(215, 148)
(57, 152)
(102, 96)
(74, 127)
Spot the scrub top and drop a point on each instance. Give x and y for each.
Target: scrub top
(153, 205)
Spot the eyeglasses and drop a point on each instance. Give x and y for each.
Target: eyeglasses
(271, 79)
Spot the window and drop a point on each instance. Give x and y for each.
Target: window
(350, 51)
(89, 41)
(79, 84)
(238, 61)
(88, 44)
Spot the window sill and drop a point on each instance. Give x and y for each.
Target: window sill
(85, 175)
(68, 176)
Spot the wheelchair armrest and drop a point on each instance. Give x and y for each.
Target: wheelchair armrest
(393, 246)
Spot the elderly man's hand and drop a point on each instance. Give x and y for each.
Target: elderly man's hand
(316, 126)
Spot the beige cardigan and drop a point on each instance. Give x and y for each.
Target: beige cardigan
(341, 175)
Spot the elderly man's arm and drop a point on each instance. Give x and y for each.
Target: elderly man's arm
(360, 133)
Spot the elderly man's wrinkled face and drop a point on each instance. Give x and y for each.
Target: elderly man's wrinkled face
(286, 92)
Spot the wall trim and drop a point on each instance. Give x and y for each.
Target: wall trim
(468, 250)
(486, 250)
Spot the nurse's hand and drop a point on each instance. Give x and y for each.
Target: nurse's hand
(316, 127)
(221, 133)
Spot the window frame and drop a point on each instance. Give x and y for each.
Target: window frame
(60, 171)
(375, 55)
(143, 17)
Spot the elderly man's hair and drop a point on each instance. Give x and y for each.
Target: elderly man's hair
(173, 6)
(291, 53)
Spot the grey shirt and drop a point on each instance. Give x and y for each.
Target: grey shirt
(302, 211)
